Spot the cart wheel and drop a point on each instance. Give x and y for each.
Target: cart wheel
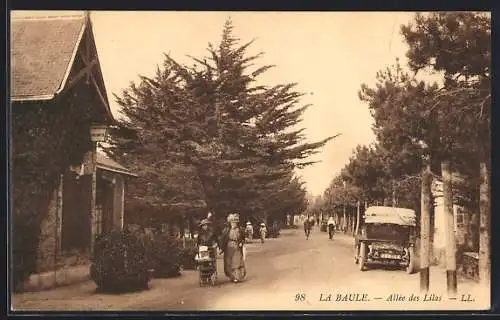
(362, 256)
(410, 269)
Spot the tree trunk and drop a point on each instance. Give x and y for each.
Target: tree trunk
(484, 226)
(432, 257)
(353, 221)
(394, 194)
(451, 246)
(349, 220)
(344, 219)
(425, 230)
(358, 217)
(337, 219)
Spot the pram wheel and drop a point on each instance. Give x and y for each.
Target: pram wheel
(207, 273)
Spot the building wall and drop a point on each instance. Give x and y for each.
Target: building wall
(66, 227)
(118, 201)
(47, 241)
(75, 233)
(112, 197)
(67, 219)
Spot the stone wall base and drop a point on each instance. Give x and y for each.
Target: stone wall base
(61, 277)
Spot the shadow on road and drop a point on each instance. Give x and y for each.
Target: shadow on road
(383, 267)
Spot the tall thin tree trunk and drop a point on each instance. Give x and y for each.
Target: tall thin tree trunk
(344, 219)
(451, 246)
(426, 202)
(349, 220)
(432, 256)
(358, 217)
(353, 221)
(393, 193)
(484, 226)
(337, 218)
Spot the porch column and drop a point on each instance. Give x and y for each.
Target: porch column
(90, 191)
(118, 201)
(93, 213)
(59, 213)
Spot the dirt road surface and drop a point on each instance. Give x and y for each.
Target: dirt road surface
(288, 273)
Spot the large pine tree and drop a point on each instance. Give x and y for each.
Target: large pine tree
(238, 140)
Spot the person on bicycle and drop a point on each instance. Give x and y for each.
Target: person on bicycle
(331, 226)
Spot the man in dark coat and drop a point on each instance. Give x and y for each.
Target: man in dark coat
(307, 228)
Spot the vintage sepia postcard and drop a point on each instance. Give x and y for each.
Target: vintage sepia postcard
(250, 161)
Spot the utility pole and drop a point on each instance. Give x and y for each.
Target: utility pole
(425, 223)
(451, 246)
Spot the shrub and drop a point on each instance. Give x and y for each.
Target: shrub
(121, 262)
(188, 254)
(166, 251)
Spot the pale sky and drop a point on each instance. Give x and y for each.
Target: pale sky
(329, 54)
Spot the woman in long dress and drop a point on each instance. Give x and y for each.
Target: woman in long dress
(233, 240)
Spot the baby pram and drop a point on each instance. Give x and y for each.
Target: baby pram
(207, 265)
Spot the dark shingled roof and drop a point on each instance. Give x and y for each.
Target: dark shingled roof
(106, 163)
(42, 51)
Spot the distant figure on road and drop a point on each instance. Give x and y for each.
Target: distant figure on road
(249, 231)
(331, 227)
(312, 221)
(263, 232)
(307, 228)
(232, 241)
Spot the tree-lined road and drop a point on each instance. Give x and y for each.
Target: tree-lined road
(278, 271)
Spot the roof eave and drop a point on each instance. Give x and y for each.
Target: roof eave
(88, 23)
(62, 86)
(127, 173)
(33, 98)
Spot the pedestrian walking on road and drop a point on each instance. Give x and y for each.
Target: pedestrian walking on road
(232, 242)
(331, 227)
(249, 231)
(263, 232)
(307, 228)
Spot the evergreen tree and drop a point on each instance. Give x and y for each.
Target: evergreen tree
(458, 44)
(237, 138)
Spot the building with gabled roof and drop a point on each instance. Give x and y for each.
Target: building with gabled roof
(50, 54)
(54, 61)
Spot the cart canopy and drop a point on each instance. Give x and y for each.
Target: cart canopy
(392, 215)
